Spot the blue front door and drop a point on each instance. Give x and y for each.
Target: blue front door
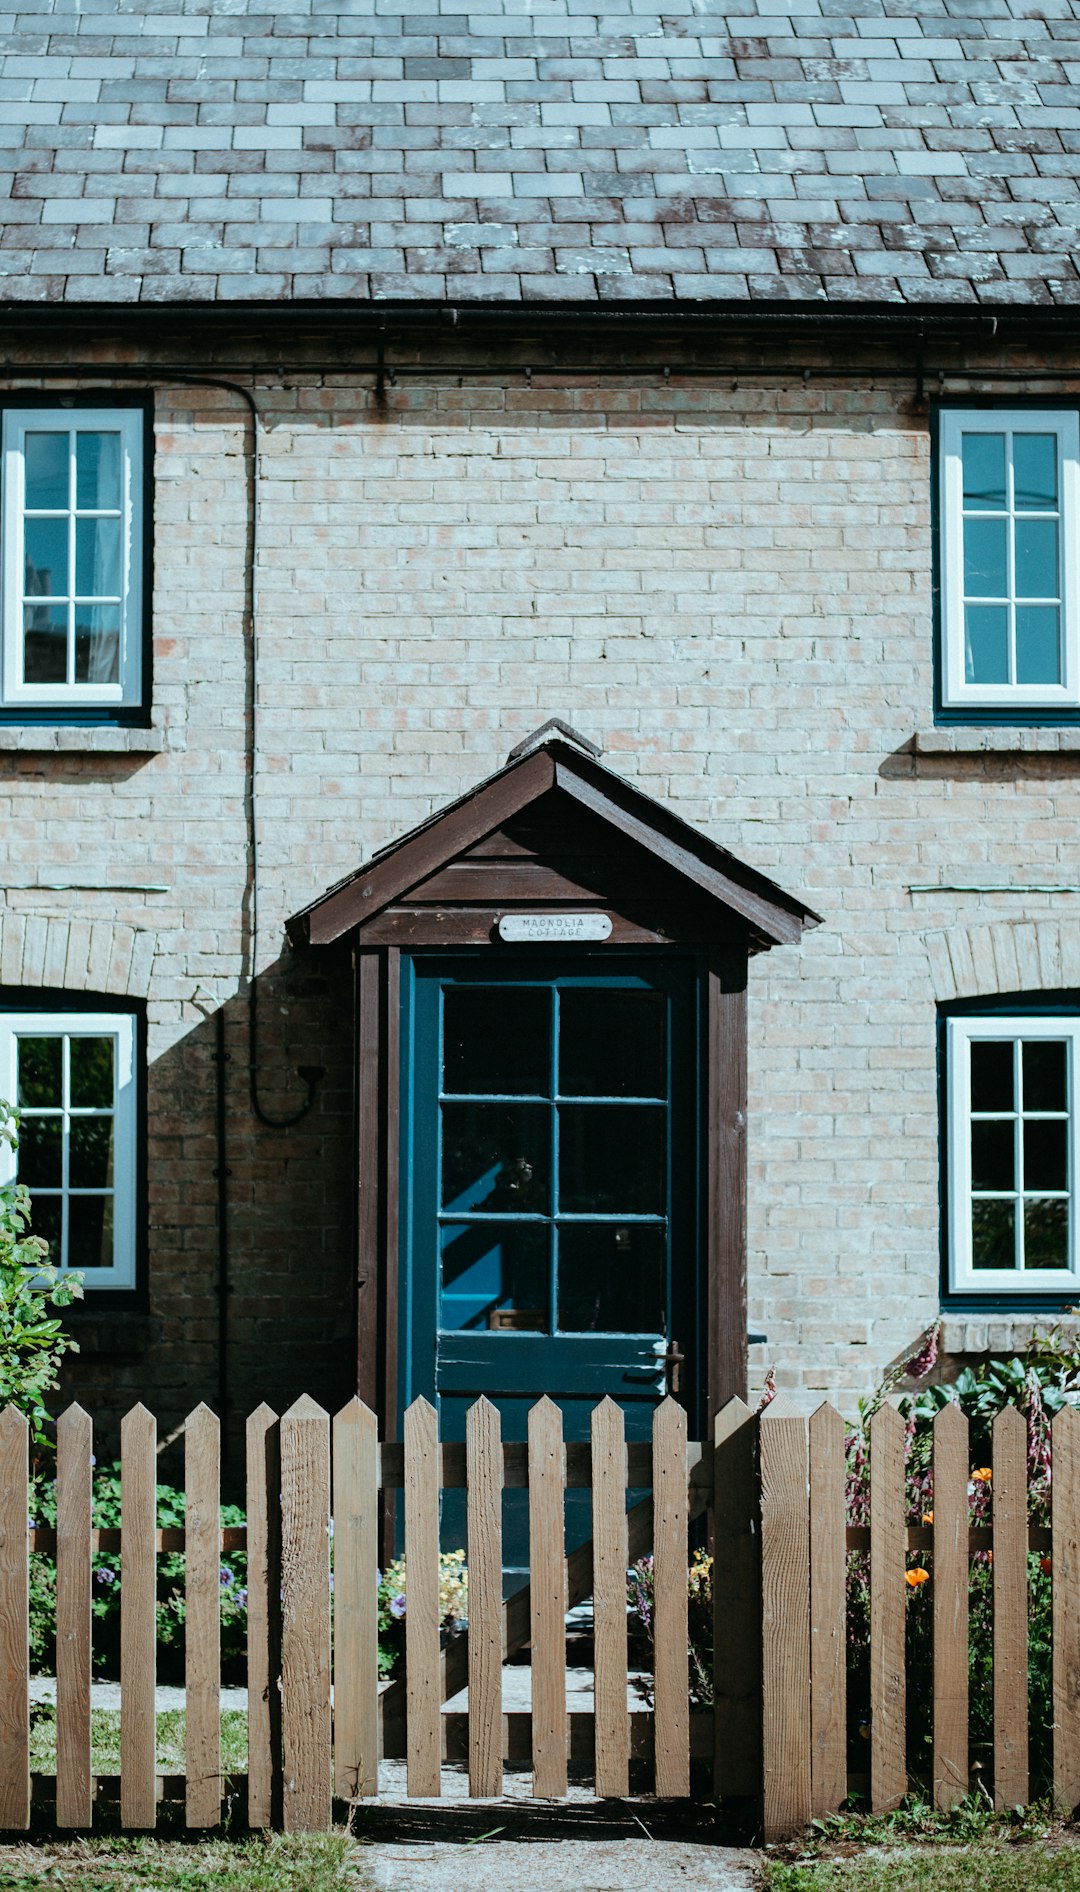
(550, 1226)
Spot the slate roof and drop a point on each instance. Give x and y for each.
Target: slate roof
(916, 151)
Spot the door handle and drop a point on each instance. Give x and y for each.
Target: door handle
(672, 1360)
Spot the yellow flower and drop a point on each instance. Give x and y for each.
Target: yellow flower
(915, 1577)
(928, 1517)
(983, 1475)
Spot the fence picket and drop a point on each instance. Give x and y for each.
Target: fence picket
(547, 1579)
(888, 1546)
(608, 1433)
(736, 1604)
(14, 1621)
(263, 1472)
(785, 1622)
(671, 1706)
(74, 1787)
(950, 1606)
(483, 1443)
(138, 1619)
(305, 1617)
(356, 1603)
(828, 1614)
(202, 1623)
(1010, 1586)
(1065, 1603)
(423, 1733)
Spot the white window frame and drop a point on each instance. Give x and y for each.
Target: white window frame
(960, 1034)
(17, 423)
(120, 1026)
(956, 692)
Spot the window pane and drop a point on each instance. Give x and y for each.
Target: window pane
(45, 643)
(611, 1280)
(97, 643)
(1038, 645)
(986, 643)
(611, 1044)
(1046, 1157)
(46, 464)
(983, 457)
(985, 559)
(41, 1071)
(993, 1155)
(1034, 472)
(90, 1162)
(611, 1159)
(993, 1235)
(91, 1062)
(97, 558)
(487, 1270)
(90, 1232)
(496, 1156)
(46, 558)
(497, 1039)
(46, 1220)
(41, 1159)
(1044, 1079)
(97, 470)
(1046, 1234)
(1036, 555)
(991, 1076)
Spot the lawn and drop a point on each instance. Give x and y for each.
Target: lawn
(986, 1867)
(321, 1862)
(105, 1741)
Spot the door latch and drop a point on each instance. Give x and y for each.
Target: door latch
(672, 1359)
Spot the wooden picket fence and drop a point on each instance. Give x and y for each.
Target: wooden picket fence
(769, 1492)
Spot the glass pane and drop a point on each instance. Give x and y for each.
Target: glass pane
(46, 463)
(983, 457)
(97, 558)
(97, 643)
(985, 558)
(611, 1044)
(496, 1156)
(1046, 1234)
(986, 643)
(41, 1071)
(90, 1162)
(90, 1232)
(497, 1039)
(611, 1280)
(46, 1220)
(993, 1155)
(1046, 1156)
(993, 1234)
(97, 470)
(1035, 571)
(41, 1152)
(495, 1277)
(46, 558)
(45, 643)
(1038, 644)
(1034, 472)
(1044, 1079)
(611, 1159)
(991, 1076)
(91, 1073)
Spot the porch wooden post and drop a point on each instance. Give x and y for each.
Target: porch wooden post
(725, 1234)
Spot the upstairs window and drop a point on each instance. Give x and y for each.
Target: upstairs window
(1013, 1154)
(72, 555)
(1010, 508)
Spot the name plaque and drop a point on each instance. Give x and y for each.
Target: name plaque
(519, 928)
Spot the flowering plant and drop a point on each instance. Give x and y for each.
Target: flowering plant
(453, 1606)
(32, 1342)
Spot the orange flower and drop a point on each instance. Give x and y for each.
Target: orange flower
(983, 1475)
(928, 1517)
(915, 1577)
(1046, 1564)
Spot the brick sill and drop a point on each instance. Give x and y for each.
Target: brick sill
(1001, 1333)
(85, 739)
(993, 741)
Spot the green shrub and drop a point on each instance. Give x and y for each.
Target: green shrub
(32, 1342)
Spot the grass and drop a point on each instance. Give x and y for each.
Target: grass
(916, 1849)
(318, 1862)
(105, 1741)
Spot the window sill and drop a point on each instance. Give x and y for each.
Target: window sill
(85, 739)
(988, 740)
(998, 1333)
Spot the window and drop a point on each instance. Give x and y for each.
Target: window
(72, 1075)
(1012, 1154)
(1010, 504)
(72, 539)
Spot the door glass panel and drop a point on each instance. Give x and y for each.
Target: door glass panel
(611, 1044)
(497, 1041)
(495, 1276)
(611, 1159)
(611, 1279)
(496, 1156)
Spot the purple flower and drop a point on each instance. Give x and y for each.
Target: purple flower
(241, 1598)
(397, 1606)
(104, 1576)
(225, 1577)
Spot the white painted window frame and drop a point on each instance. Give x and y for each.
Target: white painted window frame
(120, 1026)
(956, 692)
(960, 1034)
(127, 692)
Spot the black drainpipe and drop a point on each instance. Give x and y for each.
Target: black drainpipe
(221, 1174)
